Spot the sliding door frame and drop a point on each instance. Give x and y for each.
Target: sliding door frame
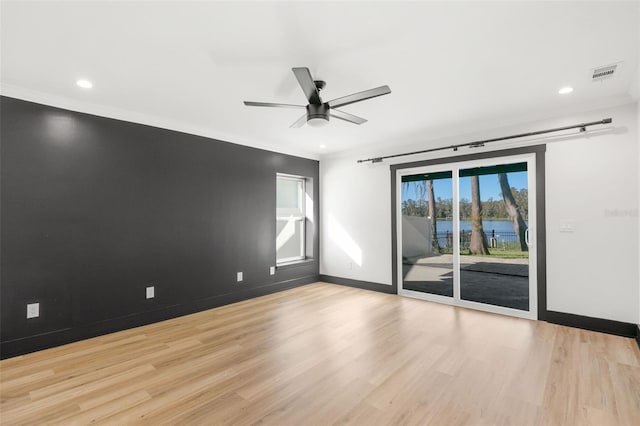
(539, 230)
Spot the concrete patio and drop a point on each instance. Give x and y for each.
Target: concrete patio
(484, 279)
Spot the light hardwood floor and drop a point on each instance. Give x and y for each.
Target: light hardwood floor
(327, 354)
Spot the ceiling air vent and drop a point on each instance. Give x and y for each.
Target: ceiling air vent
(602, 73)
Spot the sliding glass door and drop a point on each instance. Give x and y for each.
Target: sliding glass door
(465, 234)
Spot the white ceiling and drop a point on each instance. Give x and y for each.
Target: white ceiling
(189, 65)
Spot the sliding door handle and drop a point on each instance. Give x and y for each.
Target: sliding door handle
(526, 238)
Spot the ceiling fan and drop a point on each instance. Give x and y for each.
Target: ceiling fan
(318, 112)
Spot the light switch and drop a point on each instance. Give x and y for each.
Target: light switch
(567, 228)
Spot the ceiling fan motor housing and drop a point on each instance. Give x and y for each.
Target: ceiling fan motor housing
(318, 111)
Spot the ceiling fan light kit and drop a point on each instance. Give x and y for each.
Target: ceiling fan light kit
(317, 115)
(318, 112)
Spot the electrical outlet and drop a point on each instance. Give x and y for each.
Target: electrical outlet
(272, 270)
(151, 292)
(239, 276)
(33, 310)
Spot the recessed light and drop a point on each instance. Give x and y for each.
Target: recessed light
(565, 90)
(323, 146)
(85, 84)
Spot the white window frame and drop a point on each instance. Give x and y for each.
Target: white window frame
(298, 215)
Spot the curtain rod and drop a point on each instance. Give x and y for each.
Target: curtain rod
(477, 144)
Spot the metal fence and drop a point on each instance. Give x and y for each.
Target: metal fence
(507, 240)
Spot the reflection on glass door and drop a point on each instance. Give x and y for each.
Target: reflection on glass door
(494, 253)
(427, 234)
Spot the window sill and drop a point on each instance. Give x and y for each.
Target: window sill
(294, 264)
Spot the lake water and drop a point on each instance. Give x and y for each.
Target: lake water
(488, 225)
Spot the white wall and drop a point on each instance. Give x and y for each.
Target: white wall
(592, 182)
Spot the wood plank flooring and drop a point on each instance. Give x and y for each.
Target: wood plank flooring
(327, 354)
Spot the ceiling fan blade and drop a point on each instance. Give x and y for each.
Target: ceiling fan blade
(360, 96)
(270, 104)
(300, 121)
(308, 85)
(347, 117)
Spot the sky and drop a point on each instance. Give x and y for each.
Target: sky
(489, 187)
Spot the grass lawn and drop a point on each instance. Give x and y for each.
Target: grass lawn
(495, 253)
(503, 254)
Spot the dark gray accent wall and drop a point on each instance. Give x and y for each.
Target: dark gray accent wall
(93, 210)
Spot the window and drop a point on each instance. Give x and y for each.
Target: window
(290, 219)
